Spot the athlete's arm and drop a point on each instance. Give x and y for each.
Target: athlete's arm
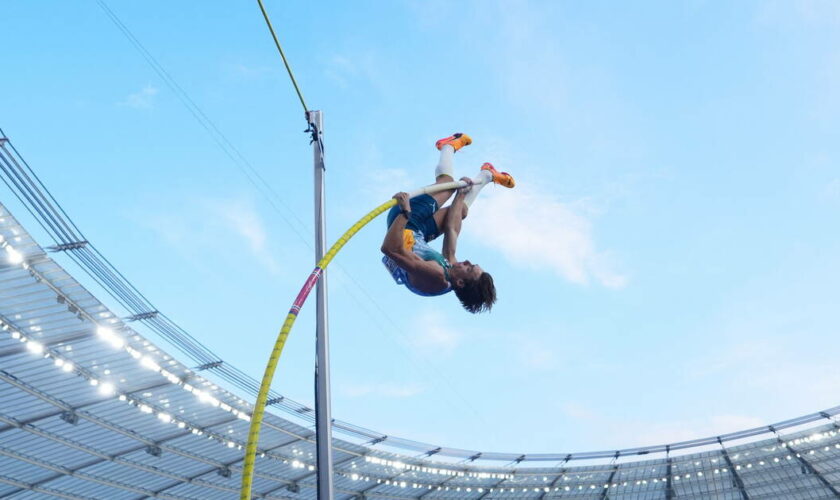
(394, 247)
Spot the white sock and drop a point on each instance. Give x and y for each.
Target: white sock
(445, 166)
(482, 179)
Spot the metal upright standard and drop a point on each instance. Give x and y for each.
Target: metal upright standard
(323, 415)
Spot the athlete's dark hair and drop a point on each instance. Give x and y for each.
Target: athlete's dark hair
(477, 295)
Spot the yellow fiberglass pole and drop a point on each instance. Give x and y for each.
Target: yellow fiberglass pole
(268, 376)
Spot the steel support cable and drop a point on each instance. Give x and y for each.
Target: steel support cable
(41, 184)
(180, 338)
(283, 55)
(209, 355)
(95, 267)
(10, 167)
(44, 221)
(123, 294)
(197, 352)
(38, 199)
(142, 304)
(13, 183)
(231, 151)
(37, 202)
(101, 281)
(138, 302)
(268, 376)
(245, 382)
(44, 202)
(22, 194)
(29, 209)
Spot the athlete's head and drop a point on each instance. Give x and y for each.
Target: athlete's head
(473, 286)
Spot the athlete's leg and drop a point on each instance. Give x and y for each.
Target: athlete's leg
(482, 179)
(440, 219)
(445, 170)
(487, 175)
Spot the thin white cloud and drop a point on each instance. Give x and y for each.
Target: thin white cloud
(379, 180)
(535, 355)
(229, 226)
(756, 362)
(383, 390)
(535, 230)
(241, 218)
(340, 69)
(654, 433)
(820, 18)
(789, 13)
(361, 66)
(383, 183)
(142, 99)
(577, 411)
(643, 432)
(831, 191)
(436, 335)
(246, 72)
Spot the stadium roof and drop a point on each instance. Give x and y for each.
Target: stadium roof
(90, 408)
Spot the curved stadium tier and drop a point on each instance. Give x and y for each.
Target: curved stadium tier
(92, 409)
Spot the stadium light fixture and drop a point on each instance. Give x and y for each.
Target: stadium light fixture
(12, 255)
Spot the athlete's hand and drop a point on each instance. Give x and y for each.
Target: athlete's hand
(466, 189)
(403, 201)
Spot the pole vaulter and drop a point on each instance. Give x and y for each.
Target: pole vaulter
(407, 257)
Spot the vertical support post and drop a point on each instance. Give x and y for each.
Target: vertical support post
(323, 415)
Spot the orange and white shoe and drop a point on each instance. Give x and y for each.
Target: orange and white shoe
(456, 140)
(500, 178)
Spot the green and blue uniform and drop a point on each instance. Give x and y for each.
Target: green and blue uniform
(420, 229)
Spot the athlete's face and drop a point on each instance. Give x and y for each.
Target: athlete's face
(465, 270)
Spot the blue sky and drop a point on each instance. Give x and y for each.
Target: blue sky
(667, 265)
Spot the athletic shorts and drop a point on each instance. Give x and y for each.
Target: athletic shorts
(422, 219)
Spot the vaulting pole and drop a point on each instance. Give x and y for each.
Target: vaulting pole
(249, 459)
(323, 414)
